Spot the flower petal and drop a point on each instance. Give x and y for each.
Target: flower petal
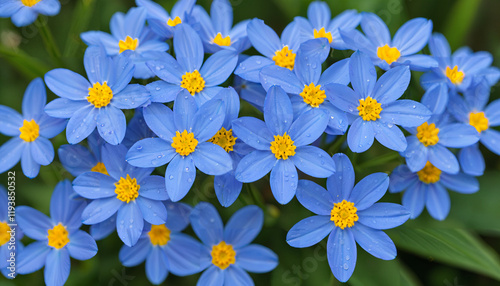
(184, 110)
(310, 231)
(208, 119)
(416, 154)
(33, 223)
(213, 276)
(341, 251)
(64, 208)
(135, 255)
(472, 161)
(383, 216)
(67, 84)
(150, 152)
(57, 269)
(250, 68)
(460, 183)
(153, 211)
(413, 36)
(10, 121)
(218, 67)
(443, 159)
(263, 38)
(207, 223)
(156, 268)
(369, 190)
(458, 135)
(341, 183)
(278, 113)
(188, 48)
(111, 124)
(360, 136)
(33, 257)
(283, 181)
(286, 79)
(308, 126)
(374, 241)
(362, 73)
(437, 201)
(255, 166)
(414, 199)
(186, 256)
(179, 177)
(211, 159)
(392, 84)
(256, 258)
(81, 246)
(42, 151)
(94, 213)
(10, 153)
(390, 136)
(153, 187)
(313, 161)
(129, 223)
(253, 132)
(244, 226)
(81, 124)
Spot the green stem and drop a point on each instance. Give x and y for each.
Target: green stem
(82, 15)
(48, 40)
(380, 160)
(338, 143)
(29, 66)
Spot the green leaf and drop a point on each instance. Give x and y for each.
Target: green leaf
(31, 67)
(460, 20)
(453, 246)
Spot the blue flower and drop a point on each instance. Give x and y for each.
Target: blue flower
(473, 110)
(375, 105)
(165, 248)
(10, 235)
(427, 187)
(307, 85)
(281, 145)
(428, 142)
(25, 12)
(319, 24)
(129, 33)
(130, 192)
(159, 20)
(31, 132)
(77, 159)
(187, 72)
(97, 101)
(402, 50)
(216, 31)
(57, 238)
(347, 215)
(276, 51)
(228, 253)
(455, 72)
(182, 142)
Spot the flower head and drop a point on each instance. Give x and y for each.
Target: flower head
(25, 12)
(347, 214)
(30, 132)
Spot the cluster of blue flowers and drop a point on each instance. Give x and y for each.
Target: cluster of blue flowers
(185, 119)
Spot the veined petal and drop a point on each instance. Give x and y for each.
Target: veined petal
(81, 246)
(310, 231)
(111, 124)
(255, 166)
(64, 108)
(460, 183)
(362, 74)
(10, 153)
(263, 38)
(135, 255)
(208, 119)
(343, 97)
(383, 216)
(341, 183)
(416, 154)
(283, 181)
(374, 241)
(336, 73)
(244, 226)
(34, 99)
(369, 190)
(392, 84)
(274, 75)
(33, 257)
(436, 99)
(341, 256)
(253, 132)
(250, 68)
(413, 36)
(153, 211)
(458, 135)
(375, 29)
(213, 276)
(132, 96)
(405, 112)
(42, 151)
(390, 136)
(490, 139)
(437, 201)
(414, 199)
(150, 152)
(211, 159)
(165, 67)
(129, 223)
(256, 258)
(319, 14)
(308, 127)
(179, 177)
(94, 213)
(67, 84)
(278, 113)
(355, 40)
(314, 197)
(33, 223)
(471, 160)
(57, 269)
(207, 223)
(218, 67)
(81, 124)
(156, 268)
(10, 121)
(188, 48)
(66, 209)
(184, 111)
(401, 178)
(161, 121)
(313, 161)
(186, 255)
(443, 159)
(360, 136)
(94, 185)
(162, 91)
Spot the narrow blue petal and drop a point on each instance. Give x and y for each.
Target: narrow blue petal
(439, 47)
(257, 259)
(213, 276)
(313, 52)
(374, 241)
(414, 199)
(313, 161)
(458, 135)
(150, 152)
(57, 268)
(319, 14)
(413, 36)
(156, 268)
(33, 257)
(437, 201)
(132, 96)
(162, 91)
(405, 112)
(94, 213)
(383, 216)
(283, 181)
(218, 67)
(211, 159)
(81, 124)
(369, 190)
(355, 40)
(111, 124)
(153, 211)
(182, 7)
(178, 215)
(244, 226)
(117, 25)
(76, 159)
(10, 153)
(278, 113)
(10, 121)
(375, 29)
(67, 84)
(253, 132)
(342, 97)
(460, 182)
(443, 159)
(135, 255)
(234, 275)
(390, 136)
(206, 94)
(42, 151)
(362, 74)
(419, 62)
(179, 177)
(337, 119)
(263, 38)
(188, 48)
(309, 231)
(186, 256)
(208, 119)
(153, 187)
(492, 112)
(222, 16)
(392, 84)
(184, 111)
(30, 167)
(129, 223)
(103, 229)
(291, 37)
(51, 127)
(401, 178)
(436, 99)
(250, 68)
(165, 67)
(161, 121)
(286, 79)
(360, 136)
(34, 100)
(9, 8)
(341, 183)
(207, 223)
(64, 108)
(64, 208)
(427, 80)
(314, 197)
(232, 104)
(336, 73)
(342, 253)
(113, 157)
(81, 246)
(24, 16)
(33, 223)
(98, 65)
(472, 161)
(155, 11)
(227, 188)
(416, 154)
(255, 166)
(308, 127)
(490, 139)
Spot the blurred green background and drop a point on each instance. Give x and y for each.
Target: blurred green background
(462, 250)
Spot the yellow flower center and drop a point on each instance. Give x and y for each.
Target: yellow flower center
(479, 121)
(429, 174)
(29, 130)
(223, 255)
(184, 143)
(282, 146)
(159, 235)
(128, 44)
(388, 54)
(369, 109)
(219, 40)
(58, 236)
(313, 94)
(174, 22)
(344, 214)
(100, 95)
(193, 82)
(100, 168)
(455, 76)
(323, 34)
(284, 58)
(4, 235)
(224, 138)
(30, 3)
(428, 134)
(127, 189)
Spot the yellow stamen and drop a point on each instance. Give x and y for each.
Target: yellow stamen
(29, 130)
(479, 121)
(127, 189)
(193, 82)
(428, 134)
(429, 174)
(388, 54)
(184, 143)
(313, 94)
(128, 44)
(219, 40)
(284, 58)
(100, 168)
(100, 95)
(4, 235)
(223, 255)
(58, 236)
(224, 138)
(174, 22)
(159, 235)
(344, 214)
(30, 3)
(282, 146)
(369, 109)
(323, 34)
(455, 76)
